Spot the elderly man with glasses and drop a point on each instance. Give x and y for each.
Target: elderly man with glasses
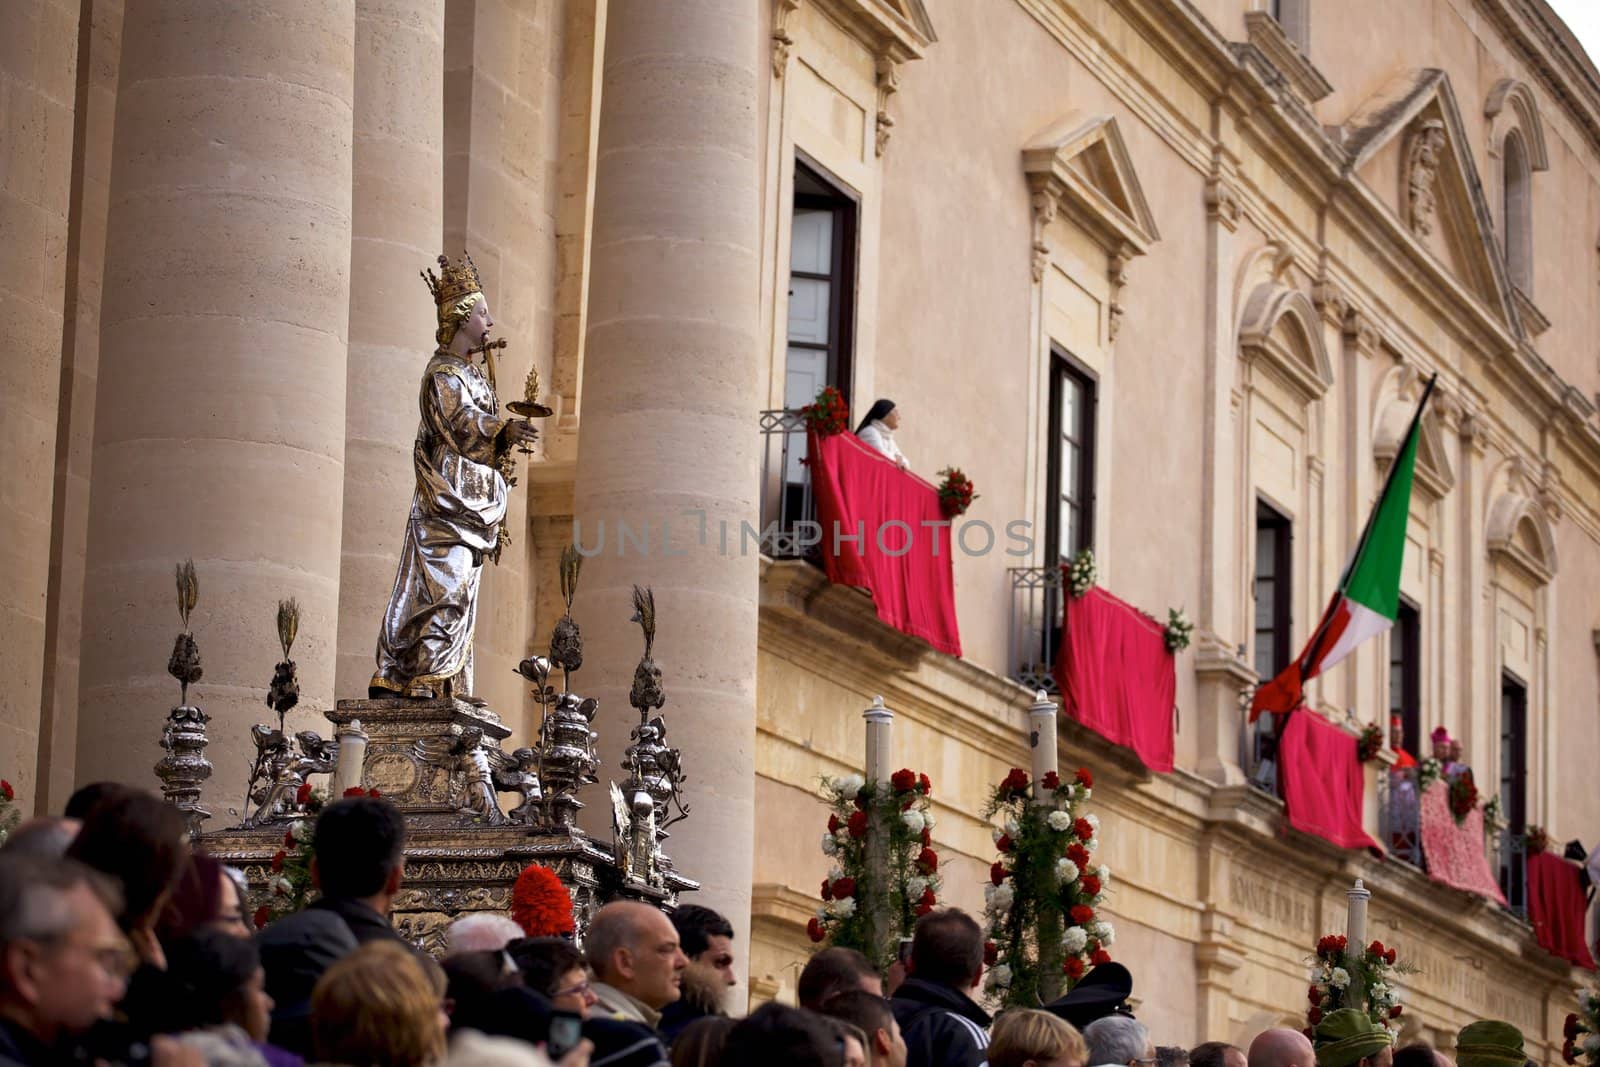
(64, 963)
(1119, 1041)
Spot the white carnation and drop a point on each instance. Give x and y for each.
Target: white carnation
(1591, 1043)
(1066, 870)
(849, 785)
(1060, 820)
(1000, 976)
(1378, 989)
(845, 908)
(1103, 932)
(1340, 979)
(998, 898)
(280, 886)
(301, 830)
(830, 847)
(835, 873)
(1094, 821)
(927, 820)
(1013, 829)
(997, 834)
(913, 820)
(1075, 940)
(1103, 873)
(916, 885)
(824, 913)
(1084, 792)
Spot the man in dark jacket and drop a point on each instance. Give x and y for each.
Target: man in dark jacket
(942, 1025)
(707, 939)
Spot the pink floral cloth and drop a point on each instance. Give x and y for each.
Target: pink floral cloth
(1456, 855)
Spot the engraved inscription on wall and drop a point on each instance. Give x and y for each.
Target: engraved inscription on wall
(1271, 902)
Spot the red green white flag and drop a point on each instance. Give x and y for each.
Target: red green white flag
(1368, 598)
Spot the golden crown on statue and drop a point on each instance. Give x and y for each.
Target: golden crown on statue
(453, 281)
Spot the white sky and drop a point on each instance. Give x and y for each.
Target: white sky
(1583, 18)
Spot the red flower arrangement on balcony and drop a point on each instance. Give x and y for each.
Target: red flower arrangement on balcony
(1463, 795)
(903, 887)
(1369, 972)
(828, 414)
(1042, 903)
(1371, 743)
(1537, 838)
(955, 492)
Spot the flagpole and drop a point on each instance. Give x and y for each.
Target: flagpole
(1314, 647)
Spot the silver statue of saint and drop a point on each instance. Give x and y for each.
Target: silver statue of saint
(458, 510)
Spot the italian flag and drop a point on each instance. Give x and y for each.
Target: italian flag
(1368, 597)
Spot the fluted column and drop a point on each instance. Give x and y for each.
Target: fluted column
(38, 76)
(669, 392)
(220, 414)
(397, 222)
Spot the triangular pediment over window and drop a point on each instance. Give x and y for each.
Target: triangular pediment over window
(898, 30)
(1082, 163)
(1409, 146)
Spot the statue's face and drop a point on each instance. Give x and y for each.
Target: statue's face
(479, 323)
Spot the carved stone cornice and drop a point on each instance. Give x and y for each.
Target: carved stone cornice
(1222, 203)
(1360, 332)
(1044, 213)
(888, 71)
(1266, 35)
(1332, 301)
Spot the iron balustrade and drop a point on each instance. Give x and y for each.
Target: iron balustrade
(1510, 850)
(1400, 814)
(786, 498)
(1036, 625)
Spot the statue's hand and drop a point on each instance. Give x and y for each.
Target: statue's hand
(521, 432)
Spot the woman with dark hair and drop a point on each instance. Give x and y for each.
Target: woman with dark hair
(217, 1002)
(877, 429)
(553, 967)
(141, 841)
(206, 898)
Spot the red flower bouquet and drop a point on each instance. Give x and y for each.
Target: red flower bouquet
(828, 414)
(955, 492)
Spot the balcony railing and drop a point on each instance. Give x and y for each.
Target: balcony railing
(786, 500)
(1258, 753)
(1400, 815)
(1511, 853)
(1036, 617)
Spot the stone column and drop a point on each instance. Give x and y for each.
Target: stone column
(669, 394)
(38, 77)
(397, 225)
(220, 415)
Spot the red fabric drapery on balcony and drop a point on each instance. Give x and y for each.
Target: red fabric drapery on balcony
(902, 559)
(1322, 781)
(1116, 675)
(1556, 908)
(1456, 854)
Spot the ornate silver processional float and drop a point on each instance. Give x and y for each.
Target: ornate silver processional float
(421, 739)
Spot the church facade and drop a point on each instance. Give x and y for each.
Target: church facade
(1165, 278)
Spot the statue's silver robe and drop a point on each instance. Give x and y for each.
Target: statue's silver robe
(456, 513)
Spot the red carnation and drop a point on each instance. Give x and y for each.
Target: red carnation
(1376, 949)
(1015, 782)
(1314, 995)
(1394, 1012)
(814, 929)
(277, 860)
(1078, 854)
(1099, 956)
(288, 839)
(540, 903)
(997, 873)
(374, 794)
(1389, 957)
(1314, 1016)
(927, 837)
(1569, 1052)
(844, 887)
(858, 824)
(1090, 884)
(922, 909)
(827, 889)
(1083, 828)
(1073, 968)
(1051, 781)
(903, 781)
(991, 953)
(925, 784)
(6, 790)
(1571, 1029)
(261, 916)
(833, 824)
(927, 861)
(1085, 779)
(929, 898)
(1082, 914)
(303, 794)
(354, 791)
(1004, 844)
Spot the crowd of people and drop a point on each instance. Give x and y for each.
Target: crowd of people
(119, 944)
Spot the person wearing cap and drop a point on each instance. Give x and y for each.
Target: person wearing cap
(1103, 991)
(1348, 1038)
(1490, 1044)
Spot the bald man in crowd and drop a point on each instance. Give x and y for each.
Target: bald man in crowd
(1282, 1048)
(637, 962)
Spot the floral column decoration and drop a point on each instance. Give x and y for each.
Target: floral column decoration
(1042, 903)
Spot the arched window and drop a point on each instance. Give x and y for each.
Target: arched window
(1517, 213)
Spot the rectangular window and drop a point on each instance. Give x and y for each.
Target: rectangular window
(1405, 676)
(822, 255)
(1513, 782)
(1273, 582)
(1070, 520)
